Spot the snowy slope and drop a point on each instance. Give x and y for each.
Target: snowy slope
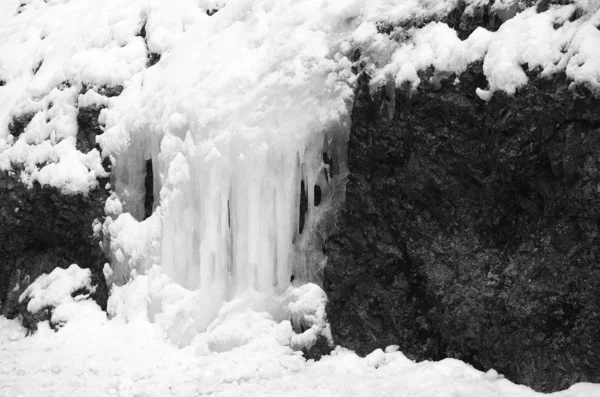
(236, 113)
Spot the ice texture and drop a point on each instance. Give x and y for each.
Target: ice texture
(235, 119)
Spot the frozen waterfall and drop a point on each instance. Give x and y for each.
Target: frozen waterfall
(244, 125)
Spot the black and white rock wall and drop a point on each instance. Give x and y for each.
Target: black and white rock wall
(471, 228)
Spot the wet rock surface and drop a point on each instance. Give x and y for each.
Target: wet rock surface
(471, 228)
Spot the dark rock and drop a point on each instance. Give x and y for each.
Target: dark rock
(87, 118)
(319, 349)
(19, 123)
(464, 21)
(544, 5)
(105, 90)
(471, 229)
(30, 320)
(89, 128)
(43, 229)
(153, 59)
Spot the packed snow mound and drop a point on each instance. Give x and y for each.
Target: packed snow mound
(295, 318)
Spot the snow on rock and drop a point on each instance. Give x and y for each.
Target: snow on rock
(435, 45)
(552, 40)
(56, 288)
(43, 69)
(48, 51)
(307, 310)
(54, 291)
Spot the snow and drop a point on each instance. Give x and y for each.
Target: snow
(55, 289)
(235, 116)
(147, 348)
(244, 353)
(435, 45)
(548, 40)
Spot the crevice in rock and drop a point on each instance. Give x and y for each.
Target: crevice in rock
(317, 195)
(149, 190)
(37, 67)
(229, 214)
(329, 171)
(303, 206)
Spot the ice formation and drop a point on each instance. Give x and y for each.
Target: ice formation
(243, 120)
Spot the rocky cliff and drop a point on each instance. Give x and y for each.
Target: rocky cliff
(471, 228)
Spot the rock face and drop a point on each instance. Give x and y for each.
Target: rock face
(471, 229)
(43, 229)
